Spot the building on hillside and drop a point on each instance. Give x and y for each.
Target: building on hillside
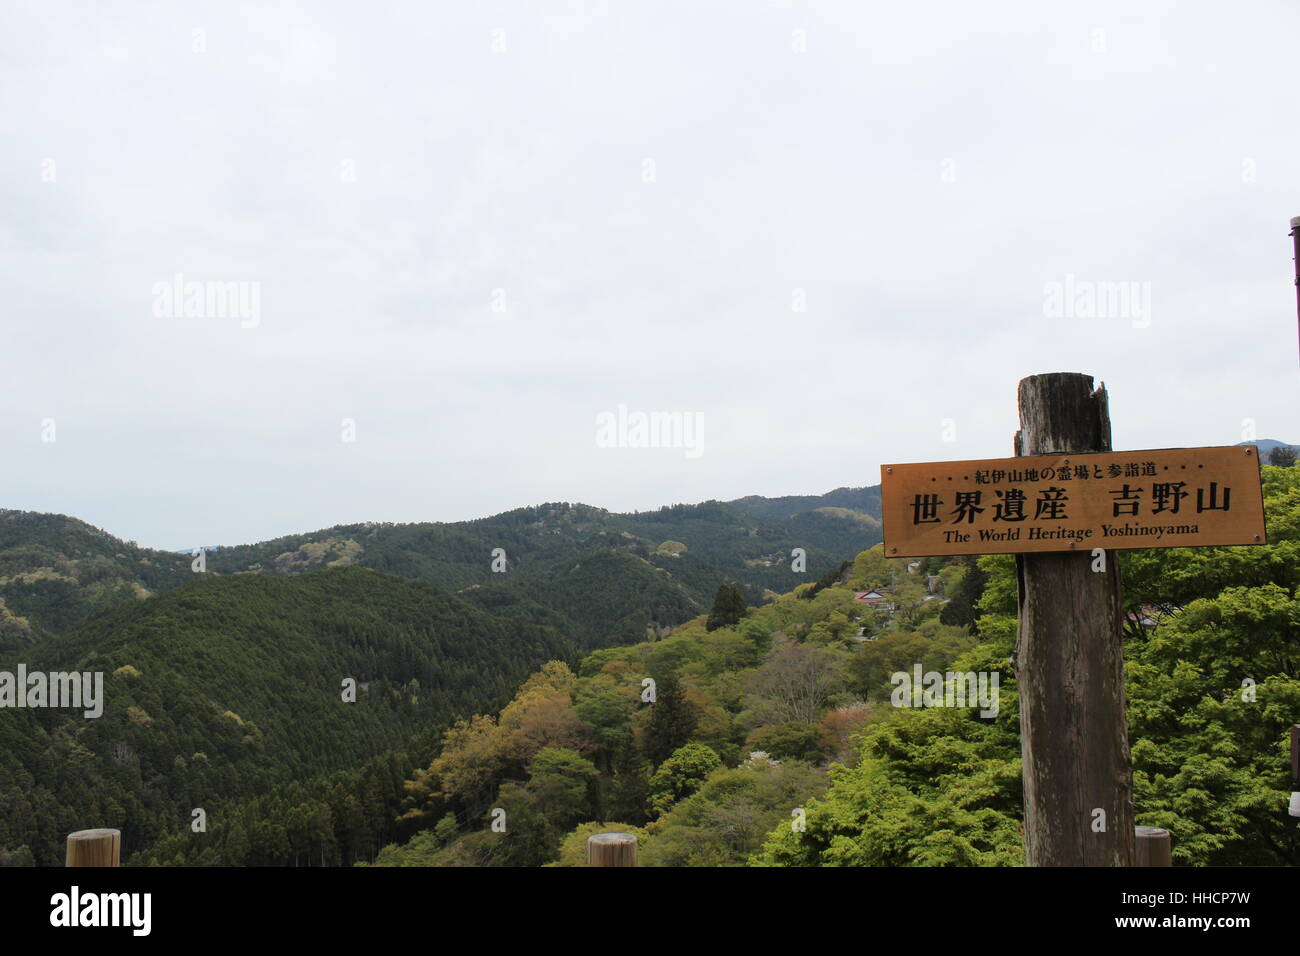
(1146, 616)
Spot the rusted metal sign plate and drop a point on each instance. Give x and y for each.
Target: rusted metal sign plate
(1166, 498)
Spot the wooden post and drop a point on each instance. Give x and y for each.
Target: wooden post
(611, 849)
(1295, 236)
(1153, 847)
(1293, 806)
(1069, 660)
(94, 848)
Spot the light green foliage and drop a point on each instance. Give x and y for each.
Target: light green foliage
(941, 787)
(871, 569)
(795, 740)
(950, 578)
(681, 774)
(563, 783)
(608, 707)
(934, 646)
(726, 820)
(446, 829)
(421, 850)
(911, 604)
(934, 788)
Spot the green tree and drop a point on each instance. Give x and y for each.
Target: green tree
(1283, 456)
(629, 785)
(795, 740)
(871, 569)
(563, 782)
(446, 829)
(672, 720)
(796, 683)
(961, 607)
(728, 607)
(726, 820)
(681, 775)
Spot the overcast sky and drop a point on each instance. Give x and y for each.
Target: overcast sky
(830, 231)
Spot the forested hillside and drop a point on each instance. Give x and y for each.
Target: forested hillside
(747, 710)
(603, 578)
(56, 571)
(784, 716)
(229, 686)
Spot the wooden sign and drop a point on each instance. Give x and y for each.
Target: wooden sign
(1167, 498)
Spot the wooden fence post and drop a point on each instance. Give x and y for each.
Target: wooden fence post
(611, 849)
(94, 848)
(1153, 847)
(1069, 659)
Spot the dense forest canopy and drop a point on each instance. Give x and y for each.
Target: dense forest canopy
(228, 686)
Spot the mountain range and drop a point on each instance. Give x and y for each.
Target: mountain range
(600, 577)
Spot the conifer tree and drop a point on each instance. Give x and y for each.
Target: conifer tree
(728, 607)
(672, 720)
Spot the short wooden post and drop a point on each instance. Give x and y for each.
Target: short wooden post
(1069, 658)
(1154, 847)
(611, 849)
(94, 848)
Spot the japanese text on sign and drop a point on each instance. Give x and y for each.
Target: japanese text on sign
(1165, 498)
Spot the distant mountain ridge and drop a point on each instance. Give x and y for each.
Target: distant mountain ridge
(1266, 446)
(598, 576)
(865, 500)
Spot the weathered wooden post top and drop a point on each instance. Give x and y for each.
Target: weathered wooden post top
(1153, 847)
(94, 848)
(1062, 506)
(611, 849)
